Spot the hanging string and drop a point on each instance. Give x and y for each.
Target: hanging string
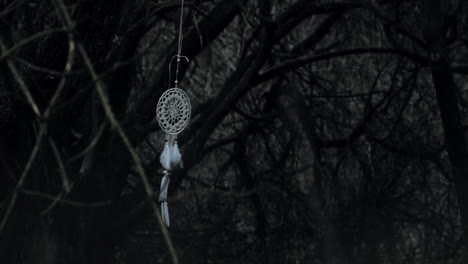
(181, 21)
(179, 46)
(176, 81)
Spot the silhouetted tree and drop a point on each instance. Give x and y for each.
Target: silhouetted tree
(321, 131)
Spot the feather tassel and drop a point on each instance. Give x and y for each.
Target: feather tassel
(164, 187)
(165, 213)
(176, 157)
(166, 156)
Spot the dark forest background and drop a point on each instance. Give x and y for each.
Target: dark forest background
(328, 131)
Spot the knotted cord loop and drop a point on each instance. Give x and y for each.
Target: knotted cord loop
(176, 81)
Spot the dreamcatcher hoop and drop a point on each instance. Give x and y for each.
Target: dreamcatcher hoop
(173, 111)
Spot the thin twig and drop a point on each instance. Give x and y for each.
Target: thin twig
(8, 52)
(91, 145)
(45, 70)
(58, 158)
(20, 183)
(57, 199)
(19, 80)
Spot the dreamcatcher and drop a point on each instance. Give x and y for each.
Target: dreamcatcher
(173, 114)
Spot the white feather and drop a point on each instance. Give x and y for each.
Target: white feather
(164, 187)
(166, 157)
(165, 213)
(176, 157)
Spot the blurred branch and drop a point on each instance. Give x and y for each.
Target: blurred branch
(8, 8)
(63, 172)
(45, 70)
(67, 20)
(91, 145)
(19, 79)
(44, 120)
(59, 200)
(7, 52)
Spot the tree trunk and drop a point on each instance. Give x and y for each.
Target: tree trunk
(447, 100)
(333, 249)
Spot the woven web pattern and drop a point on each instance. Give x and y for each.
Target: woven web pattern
(173, 111)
